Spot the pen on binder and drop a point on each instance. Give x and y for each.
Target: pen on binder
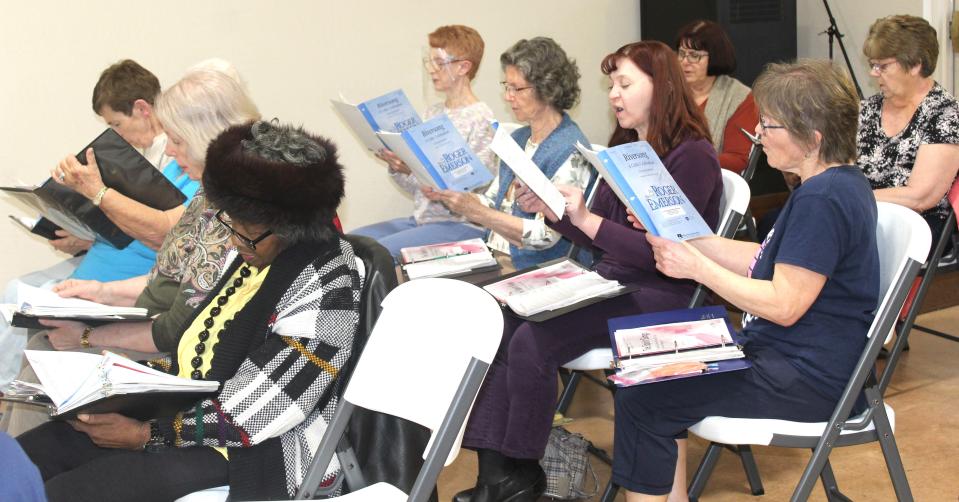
(440, 257)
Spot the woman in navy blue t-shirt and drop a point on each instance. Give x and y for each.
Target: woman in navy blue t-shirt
(808, 290)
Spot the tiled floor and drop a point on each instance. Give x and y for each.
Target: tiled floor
(924, 395)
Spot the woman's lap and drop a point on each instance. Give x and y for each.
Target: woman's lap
(73, 468)
(649, 418)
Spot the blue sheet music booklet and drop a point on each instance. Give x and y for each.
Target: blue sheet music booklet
(675, 344)
(642, 183)
(438, 155)
(389, 112)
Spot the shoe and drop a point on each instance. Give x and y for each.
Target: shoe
(512, 488)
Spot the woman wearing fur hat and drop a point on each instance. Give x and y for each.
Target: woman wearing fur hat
(275, 334)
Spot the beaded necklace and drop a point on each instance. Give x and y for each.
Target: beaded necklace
(204, 335)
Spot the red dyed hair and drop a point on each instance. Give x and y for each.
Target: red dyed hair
(673, 115)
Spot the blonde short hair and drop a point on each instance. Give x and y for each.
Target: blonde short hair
(200, 106)
(909, 39)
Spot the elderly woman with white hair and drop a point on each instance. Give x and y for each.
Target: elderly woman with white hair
(193, 256)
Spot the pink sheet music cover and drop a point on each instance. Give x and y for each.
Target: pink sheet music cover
(442, 250)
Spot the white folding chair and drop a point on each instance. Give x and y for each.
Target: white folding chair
(425, 362)
(903, 239)
(732, 207)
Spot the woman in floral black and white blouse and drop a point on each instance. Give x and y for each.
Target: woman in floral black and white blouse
(908, 137)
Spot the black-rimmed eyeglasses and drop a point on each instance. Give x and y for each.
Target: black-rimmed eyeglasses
(763, 125)
(691, 56)
(225, 220)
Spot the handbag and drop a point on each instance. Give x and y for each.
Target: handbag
(567, 467)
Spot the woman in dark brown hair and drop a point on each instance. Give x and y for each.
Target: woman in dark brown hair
(511, 418)
(708, 59)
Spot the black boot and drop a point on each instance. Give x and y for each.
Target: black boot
(503, 479)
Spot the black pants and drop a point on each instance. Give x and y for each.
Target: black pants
(649, 418)
(75, 469)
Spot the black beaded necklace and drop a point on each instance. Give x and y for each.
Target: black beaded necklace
(221, 300)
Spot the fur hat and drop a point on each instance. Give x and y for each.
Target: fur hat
(275, 175)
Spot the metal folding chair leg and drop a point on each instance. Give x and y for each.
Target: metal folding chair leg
(571, 381)
(752, 470)
(609, 494)
(830, 486)
(887, 441)
(705, 469)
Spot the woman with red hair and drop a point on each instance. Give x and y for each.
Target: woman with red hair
(512, 416)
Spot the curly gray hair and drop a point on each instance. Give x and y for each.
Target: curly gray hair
(283, 143)
(545, 65)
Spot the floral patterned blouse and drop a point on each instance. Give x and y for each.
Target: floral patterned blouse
(888, 160)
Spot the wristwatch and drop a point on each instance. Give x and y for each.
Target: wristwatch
(156, 442)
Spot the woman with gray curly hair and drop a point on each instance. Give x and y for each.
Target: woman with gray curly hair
(541, 83)
(275, 335)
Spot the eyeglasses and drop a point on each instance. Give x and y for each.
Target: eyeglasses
(691, 56)
(880, 68)
(433, 64)
(763, 125)
(511, 90)
(248, 242)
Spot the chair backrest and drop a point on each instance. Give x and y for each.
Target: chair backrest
(903, 240)
(380, 279)
(426, 336)
(734, 203)
(732, 207)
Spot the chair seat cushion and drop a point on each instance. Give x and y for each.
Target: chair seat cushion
(379, 492)
(760, 431)
(596, 359)
(218, 494)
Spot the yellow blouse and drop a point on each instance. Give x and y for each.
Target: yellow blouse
(186, 350)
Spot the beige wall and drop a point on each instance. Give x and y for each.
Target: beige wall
(853, 18)
(295, 55)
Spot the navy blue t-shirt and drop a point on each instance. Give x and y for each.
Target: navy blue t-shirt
(828, 226)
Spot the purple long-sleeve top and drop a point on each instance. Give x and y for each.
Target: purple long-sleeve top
(627, 256)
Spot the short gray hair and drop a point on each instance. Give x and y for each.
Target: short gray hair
(808, 96)
(545, 65)
(202, 105)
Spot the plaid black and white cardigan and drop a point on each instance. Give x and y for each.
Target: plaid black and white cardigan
(278, 362)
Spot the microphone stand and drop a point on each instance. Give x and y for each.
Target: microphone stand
(834, 33)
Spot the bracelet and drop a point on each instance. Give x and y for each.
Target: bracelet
(85, 337)
(98, 198)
